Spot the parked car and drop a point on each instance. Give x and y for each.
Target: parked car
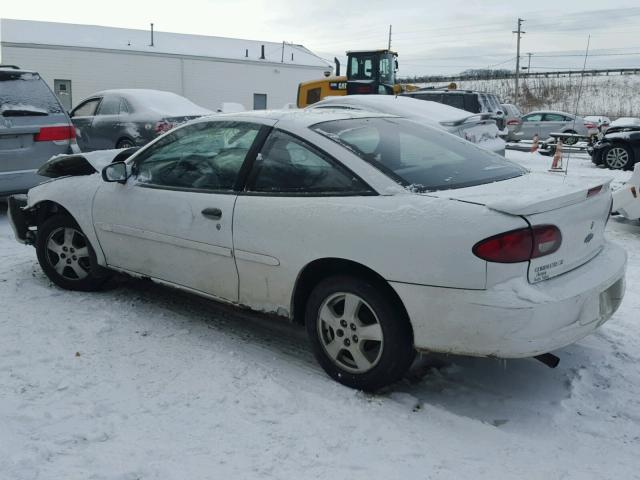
(600, 121)
(619, 149)
(469, 100)
(543, 123)
(33, 128)
(480, 129)
(130, 117)
(626, 201)
(513, 119)
(381, 235)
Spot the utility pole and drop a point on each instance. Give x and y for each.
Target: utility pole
(529, 67)
(519, 32)
(389, 37)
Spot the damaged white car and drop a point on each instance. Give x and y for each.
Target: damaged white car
(382, 236)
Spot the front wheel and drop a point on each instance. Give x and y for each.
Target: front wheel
(618, 157)
(359, 335)
(66, 256)
(125, 143)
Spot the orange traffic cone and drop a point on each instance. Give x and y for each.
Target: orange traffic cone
(557, 156)
(534, 145)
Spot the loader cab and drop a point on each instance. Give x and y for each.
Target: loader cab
(371, 72)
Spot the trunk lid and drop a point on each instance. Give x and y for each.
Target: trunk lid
(579, 207)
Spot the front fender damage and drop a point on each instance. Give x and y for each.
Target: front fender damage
(83, 163)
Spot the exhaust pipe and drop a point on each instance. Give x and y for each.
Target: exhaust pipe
(549, 359)
(337, 62)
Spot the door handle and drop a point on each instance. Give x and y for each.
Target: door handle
(212, 213)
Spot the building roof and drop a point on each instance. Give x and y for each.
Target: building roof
(110, 38)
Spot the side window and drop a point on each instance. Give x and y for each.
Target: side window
(536, 117)
(453, 100)
(554, 117)
(289, 165)
(202, 156)
(86, 109)
(109, 106)
(125, 107)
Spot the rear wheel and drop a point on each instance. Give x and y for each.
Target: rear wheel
(570, 140)
(359, 334)
(66, 256)
(618, 157)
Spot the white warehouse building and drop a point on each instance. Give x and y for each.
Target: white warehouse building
(79, 60)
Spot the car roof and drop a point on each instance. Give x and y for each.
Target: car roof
(449, 90)
(302, 117)
(552, 111)
(9, 68)
(401, 106)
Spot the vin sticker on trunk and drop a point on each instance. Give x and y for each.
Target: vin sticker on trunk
(542, 272)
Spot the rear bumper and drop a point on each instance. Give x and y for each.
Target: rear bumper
(517, 319)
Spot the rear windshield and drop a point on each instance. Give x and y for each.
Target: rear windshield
(418, 157)
(24, 94)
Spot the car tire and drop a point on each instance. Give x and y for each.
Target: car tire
(618, 157)
(67, 257)
(367, 345)
(125, 143)
(571, 140)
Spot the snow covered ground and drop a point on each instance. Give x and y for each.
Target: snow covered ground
(143, 382)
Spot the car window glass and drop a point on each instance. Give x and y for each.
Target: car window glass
(361, 67)
(536, 117)
(453, 99)
(87, 109)
(23, 93)
(124, 106)
(554, 117)
(289, 165)
(109, 106)
(420, 158)
(201, 156)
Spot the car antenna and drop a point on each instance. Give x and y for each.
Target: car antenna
(575, 113)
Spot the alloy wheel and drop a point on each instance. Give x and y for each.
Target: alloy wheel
(617, 158)
(67, 251)
(350, 332)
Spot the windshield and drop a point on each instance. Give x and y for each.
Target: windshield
(418, 157)
(26, 94)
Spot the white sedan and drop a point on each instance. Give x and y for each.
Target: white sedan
(383, 236)
(478, 128)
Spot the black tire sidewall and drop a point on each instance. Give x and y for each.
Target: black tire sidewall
(96, 277)
(630, 161)
(398, 352)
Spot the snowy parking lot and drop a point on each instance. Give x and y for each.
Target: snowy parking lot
(144, 382)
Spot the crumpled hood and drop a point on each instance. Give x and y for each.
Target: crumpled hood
(528, 194)
(83, 163)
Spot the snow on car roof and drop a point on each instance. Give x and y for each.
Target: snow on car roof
(303, 117)
(157, 100)
(401, 106)
(110, 38)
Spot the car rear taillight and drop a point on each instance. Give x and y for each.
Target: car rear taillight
(163, 126)
(514, 121)
(590, 125)
(519, 245)
(56, 133)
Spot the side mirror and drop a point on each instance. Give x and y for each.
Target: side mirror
(115, 172)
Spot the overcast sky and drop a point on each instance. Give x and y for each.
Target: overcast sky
(430, 37)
